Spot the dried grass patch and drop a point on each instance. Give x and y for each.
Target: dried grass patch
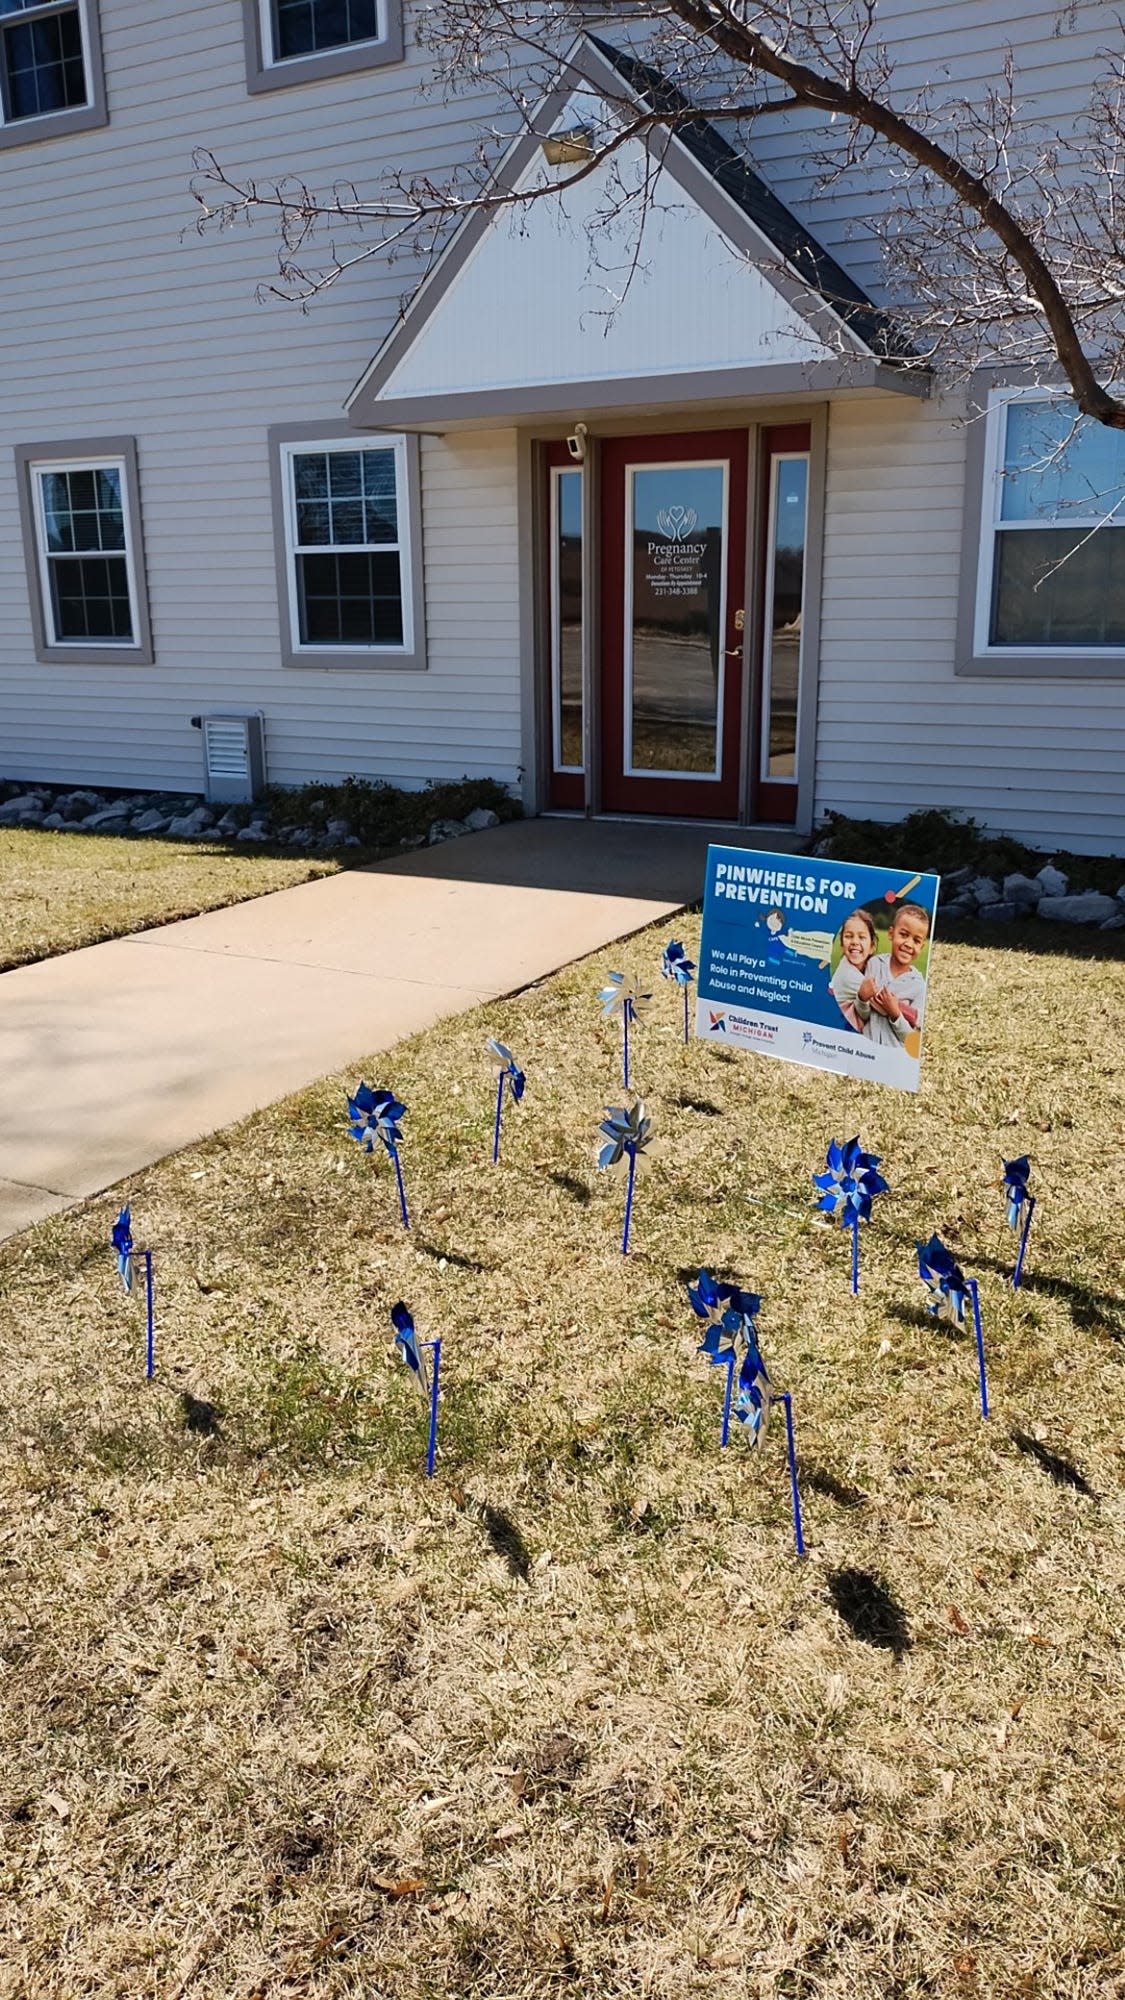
(59, 891)
(283, 1718)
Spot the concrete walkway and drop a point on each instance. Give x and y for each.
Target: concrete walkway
(115, 1056)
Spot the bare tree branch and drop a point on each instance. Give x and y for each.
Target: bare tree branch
(1003, 240)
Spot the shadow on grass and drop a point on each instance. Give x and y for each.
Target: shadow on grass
(701, 1104)
(1091, 1311)
(571, 1185)
(928, 1322)
(504, 1536)
(1047, 939)
(822, 1481)
(455, 1257)
(200, 1416)
(869, 1610)
(1055, 1464)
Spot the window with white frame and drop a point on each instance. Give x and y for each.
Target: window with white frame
(349, 567)
(50, 69)
(1052, 563)
(296, 41)
(81, 531)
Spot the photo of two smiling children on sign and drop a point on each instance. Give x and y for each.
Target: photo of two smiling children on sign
(879, 993)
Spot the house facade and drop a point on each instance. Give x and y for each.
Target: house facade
(647, 523)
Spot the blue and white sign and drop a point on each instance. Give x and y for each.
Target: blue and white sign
(817, 962)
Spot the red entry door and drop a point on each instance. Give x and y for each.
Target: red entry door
(673, 533)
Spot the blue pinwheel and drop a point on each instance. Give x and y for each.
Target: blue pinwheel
(939, 1269)
(373, 1118)
(949, 1287)
(121, 1236)
(618, 997)
(511, 1079)
(412, 1351)
(1021, 1207)
(731, 1316)
(731, 1340)
(675, 964)
(848, 1188)
(628, 1133)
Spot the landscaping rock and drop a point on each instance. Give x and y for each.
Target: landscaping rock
(1116, 923)
(1023, 890)
(958, 878)
(13, 809)
(1121, 895)
(251, 833)
(446, 829)
(151, 822)
(961, 908)
(1093, 908)
(54, 820)
(337, 831)
(412, 841)
(1002, 912)
(199, 820)
(984, 890)
(1053, 881)
(106, 816)
(480, 818)
(76, 805)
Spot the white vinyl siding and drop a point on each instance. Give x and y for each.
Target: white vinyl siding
(172, 347)
(897, 727)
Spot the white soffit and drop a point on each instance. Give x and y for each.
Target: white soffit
(552, 293)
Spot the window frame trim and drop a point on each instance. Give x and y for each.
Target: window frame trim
(83, 454)
(287, 440)
(86, 117)
(975, 657)
(265, 72)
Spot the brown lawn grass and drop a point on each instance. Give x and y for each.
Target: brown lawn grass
(283, 1718)
(62, 890)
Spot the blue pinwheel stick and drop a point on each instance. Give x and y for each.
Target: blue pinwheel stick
(675, 964)
(731, 1316)
(1021, 1207)
(848, 1186)
(950, 1290)
(427, 1377)
(627, 1132)
(511, 1079)
(121, 1237)
(373, 1116)
(618, 997)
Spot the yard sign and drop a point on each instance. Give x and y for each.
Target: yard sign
(817, 962)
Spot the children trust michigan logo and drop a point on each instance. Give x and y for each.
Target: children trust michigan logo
(718, 1022)
(676, 522)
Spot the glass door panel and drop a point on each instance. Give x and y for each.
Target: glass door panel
(784, 600)
(565, 634)
(673, 567)
(674, 620)
(566, 617)
(784, 499)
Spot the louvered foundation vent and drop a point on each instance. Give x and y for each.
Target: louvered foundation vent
(233, 757)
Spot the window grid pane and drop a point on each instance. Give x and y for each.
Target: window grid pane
(1058, 587)
(308, 27)
(1058, 466)
(85, 548)
(90, 598)
(348, 567)
(44, 68)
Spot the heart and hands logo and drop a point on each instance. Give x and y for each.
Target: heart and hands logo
(676, 522)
